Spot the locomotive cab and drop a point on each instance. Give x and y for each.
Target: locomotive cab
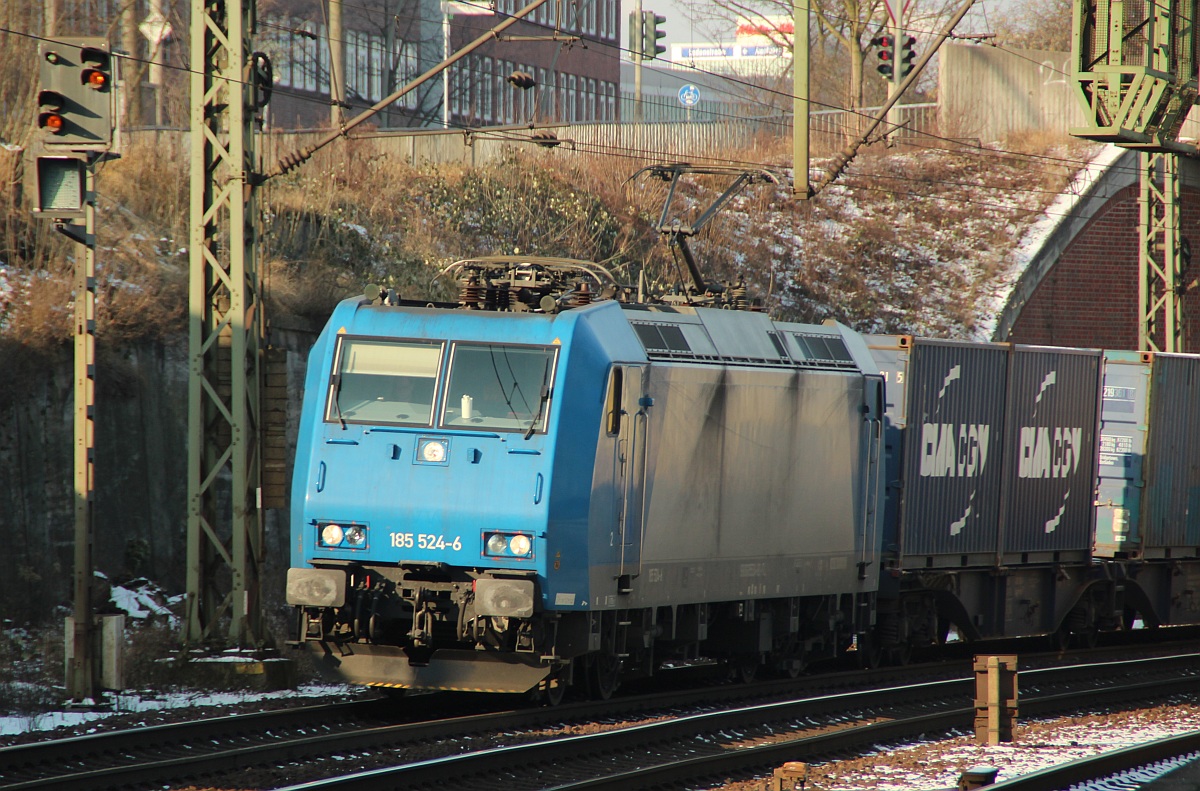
(425, 507)
(508, 497)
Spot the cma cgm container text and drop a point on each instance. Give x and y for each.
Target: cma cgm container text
(1053, 401)
(991, 450)
(946, 406)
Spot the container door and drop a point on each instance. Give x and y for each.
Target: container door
(1123, 421)
(631, 468)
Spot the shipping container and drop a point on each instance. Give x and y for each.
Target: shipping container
(947, 400)
(1053, 399)
(1123, 422)
(1171, 511)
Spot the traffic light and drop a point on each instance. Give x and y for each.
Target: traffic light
(76, 94)
(887, 54)
(521, 79)
(651, 49)
(636, 35)
(906, 55)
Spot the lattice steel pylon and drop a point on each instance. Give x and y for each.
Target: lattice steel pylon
(1135, 64)
(225, 338)
(1160, 259)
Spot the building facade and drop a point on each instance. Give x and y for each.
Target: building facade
(574, 62)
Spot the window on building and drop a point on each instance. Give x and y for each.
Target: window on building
(488, 89)
(322, 63)
(375, 64)
(310, 48)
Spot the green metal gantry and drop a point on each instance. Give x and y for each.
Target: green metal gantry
(225, 339)
(1135, 64)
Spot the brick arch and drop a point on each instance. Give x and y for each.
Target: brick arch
(1081, 287)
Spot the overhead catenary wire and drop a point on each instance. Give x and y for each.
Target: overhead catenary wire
(989, 151)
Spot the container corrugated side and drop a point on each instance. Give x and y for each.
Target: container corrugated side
(1171, 512)
(1124, 418)
(951, 467)
(1050, 443)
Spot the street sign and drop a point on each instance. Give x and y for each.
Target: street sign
(156, 28)
(689, 96)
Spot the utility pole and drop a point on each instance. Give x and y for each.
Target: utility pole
(897, 28)
(82, 672)
(637, 40)
(337, 64)
(225, 336)
(52, 12)
(445, 72)
(800, 88)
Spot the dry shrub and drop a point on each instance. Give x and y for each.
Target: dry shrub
(901, 242)
(149, 187)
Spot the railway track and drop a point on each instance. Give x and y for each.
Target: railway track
(1133, 767)
(751, 740)
(728, 736)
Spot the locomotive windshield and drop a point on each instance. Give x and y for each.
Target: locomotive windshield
(384, 382)
(499, 387)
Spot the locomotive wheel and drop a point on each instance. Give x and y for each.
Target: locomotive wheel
(901, 655)
(744, 668)
(870, 656)
(604, 675)
(551, 691)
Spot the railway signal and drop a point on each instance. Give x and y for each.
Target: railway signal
(905, 59)
(637, 36)
(651, 33)
(75, 94)
(887, 54)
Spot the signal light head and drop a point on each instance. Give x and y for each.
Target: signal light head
(51, 122)
(94, 79)
(50, 100)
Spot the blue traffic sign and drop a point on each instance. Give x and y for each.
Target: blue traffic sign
(689, 96)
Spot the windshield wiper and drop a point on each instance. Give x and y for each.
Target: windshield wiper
(541, 401)
(337, 391)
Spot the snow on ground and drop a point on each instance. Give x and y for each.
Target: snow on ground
(135, 702)
(1039, 744)
(1063, 207)
(143, 601)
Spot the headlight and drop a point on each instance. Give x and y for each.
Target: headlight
(507, 545)
(496, 544)
(433, 451)
(336, 536)
(519, 545)
(331, 535)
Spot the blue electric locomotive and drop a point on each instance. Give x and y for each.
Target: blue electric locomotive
(507, 494)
